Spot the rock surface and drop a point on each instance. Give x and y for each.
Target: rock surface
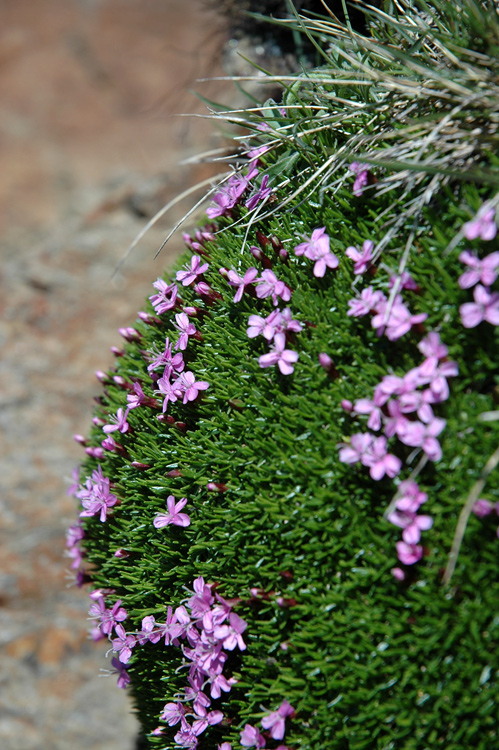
(88, 150)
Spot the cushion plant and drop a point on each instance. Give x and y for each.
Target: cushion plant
(288, 513)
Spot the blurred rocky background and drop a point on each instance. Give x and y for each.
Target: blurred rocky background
(89, 150)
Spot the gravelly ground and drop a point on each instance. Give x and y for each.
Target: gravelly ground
(86, 143)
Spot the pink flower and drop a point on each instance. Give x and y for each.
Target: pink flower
(361, 260)
(431, 346)
(123, 644)
(166, 360)
(398, 322)
(283, 358)
(174, 516)
(96, 496)
(167, 297)
(190, 275)
(118, 422)
(485, 307)
(368, 302)
(483, 271)
(190, 386)
(317, 248)
(231, 635)
(482, 508)
(186, 329)
(268, 285)
(250, 736)
(411, 524)
(121, 671)
(241, 282)
(360, 444)
(483, 225)
(276, 720)
(408, 554)
(362, 177)
(411, 497)
(419, 435)
(379, 461)
(263, 192)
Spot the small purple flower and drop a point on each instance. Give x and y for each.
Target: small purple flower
(276, 720)
(190, 386)
(398, 321)
(368, 302)
(171, 363)
(109, 618)
(121, 671)
(190, 275)
(431, 346)
(482, 508)
(280, 356)
(361, 172)
(317, 248)
(166, 299)
(96, 496)
(231, 634)
(123, 644)
(118, 422)
(485, 307)
(412, 525)
(268, 285)
(379, 461)
(359, 446)
(250, 736)
(186, 329)
(263, 192)
(174, 516)
(483, 225)
(361, 260)
(406, 281)
(173, 713)
(481, 271)
(241, 282)
(408, 554)
(419, 435)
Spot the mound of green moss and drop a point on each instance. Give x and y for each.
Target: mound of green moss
(287, 505)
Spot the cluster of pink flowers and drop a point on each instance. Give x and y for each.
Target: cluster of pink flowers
(481, 274)
(96, 496)
(277, 326)
(210, 629)
(237, 185)
(274, 723)
(403, 407)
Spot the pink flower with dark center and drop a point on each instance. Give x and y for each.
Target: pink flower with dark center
(483, 225)
(276, 720)
(485, 307)
(280, 356)
(268, 285)
(174, 516)
(362, 260)
(190, 275)
(166, 299)
(481, 271)
(241, 282)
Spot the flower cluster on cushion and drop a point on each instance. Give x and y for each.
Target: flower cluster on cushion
(274, 723)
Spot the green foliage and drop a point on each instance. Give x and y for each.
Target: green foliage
(368, 662)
